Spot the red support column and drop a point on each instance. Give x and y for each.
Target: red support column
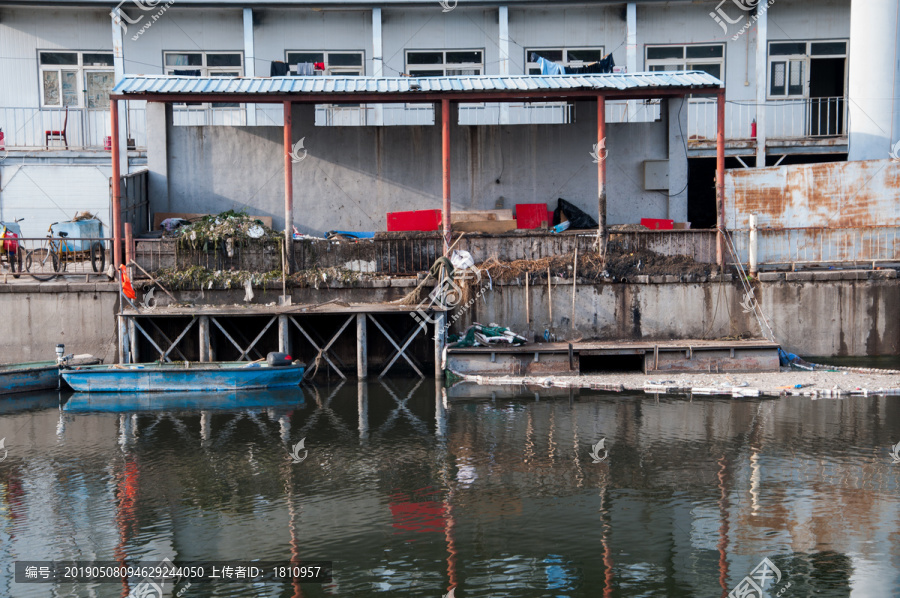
(720, 178)
(116, 184)
(288, 189)
(445, 160)
(600, 151)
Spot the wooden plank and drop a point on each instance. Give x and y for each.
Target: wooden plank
(158, 217)
(481, 215)
(486, 226)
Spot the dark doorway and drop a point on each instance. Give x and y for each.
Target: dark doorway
(826, 97)
(702, 189)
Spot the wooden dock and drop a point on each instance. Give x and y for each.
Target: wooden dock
(562, 358)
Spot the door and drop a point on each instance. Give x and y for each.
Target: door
(826, 96)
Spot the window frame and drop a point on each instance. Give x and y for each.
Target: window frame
(444, 66)
(205, 70)
(331, 70)
(685, 63)
(80, 68)
(565, 62)
(805, 59)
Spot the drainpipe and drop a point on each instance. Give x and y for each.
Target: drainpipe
(720, 178)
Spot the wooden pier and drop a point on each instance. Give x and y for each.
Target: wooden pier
(206, 333)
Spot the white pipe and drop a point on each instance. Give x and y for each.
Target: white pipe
(753, 245)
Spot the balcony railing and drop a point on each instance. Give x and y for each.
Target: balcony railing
(785, 119)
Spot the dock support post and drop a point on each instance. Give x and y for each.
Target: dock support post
(362, 388)
(284, 334)
(122, 336)
(132, 341)
(439, 336)
(116, 186)
(362, 347)
(205, 347)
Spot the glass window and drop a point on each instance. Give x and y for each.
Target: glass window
(435, 63)
(828, 48)
(663, 52)
(98, 85)
(51, 88)
(425, 57)
(96, 59)
(223, 60)
(297, 57)
(787, 49)
(59, 58)
(334, 63)
(715, 51)
(179, 59)
(345, 59)
(567, 57)
(713, 69)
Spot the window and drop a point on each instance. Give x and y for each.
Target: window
(340, 64)
(709, 58)
(76, 79)
(444, 63)
(790, 65)
(209, 64)
(570, 57)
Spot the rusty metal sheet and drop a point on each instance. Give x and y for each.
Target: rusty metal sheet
(512, 364)
(734, 360)
(832, 194)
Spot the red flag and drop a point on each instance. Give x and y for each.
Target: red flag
(126, 284)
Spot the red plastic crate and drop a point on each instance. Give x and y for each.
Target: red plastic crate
(532, 215)
(657, 223)
(418, 220)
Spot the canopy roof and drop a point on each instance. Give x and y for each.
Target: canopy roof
(498, 88)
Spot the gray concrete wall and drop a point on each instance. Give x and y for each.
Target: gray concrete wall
(848, 318)
(353, 176)
(36, 317)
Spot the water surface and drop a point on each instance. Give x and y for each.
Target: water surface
(413, 491)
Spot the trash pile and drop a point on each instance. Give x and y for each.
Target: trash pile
(233, 227)
(478, 335)
(198, 277)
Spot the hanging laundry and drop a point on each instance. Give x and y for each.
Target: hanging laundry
(305, 69)
(278, 69)
(548, 67)
(319, 66)
(602, 66)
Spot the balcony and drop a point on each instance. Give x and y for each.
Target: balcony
(86, 129)
(788, 122)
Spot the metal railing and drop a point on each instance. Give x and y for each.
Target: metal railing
(46, 258)
(85, 128)
(864, 245)
(785, 119)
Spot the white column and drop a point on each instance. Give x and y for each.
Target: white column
(631, 37)
(874, 80)
(118, 41)
(503, 39)
(249, 60)
(762, 78)
(377, 61)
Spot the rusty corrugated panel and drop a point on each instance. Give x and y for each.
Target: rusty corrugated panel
(833, 195)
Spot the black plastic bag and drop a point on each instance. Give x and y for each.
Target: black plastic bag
(577, 218)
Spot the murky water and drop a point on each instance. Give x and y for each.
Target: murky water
(413, 492)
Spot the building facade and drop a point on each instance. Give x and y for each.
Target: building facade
(790, 69)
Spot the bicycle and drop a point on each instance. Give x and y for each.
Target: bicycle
(61, 250)
(10, 248)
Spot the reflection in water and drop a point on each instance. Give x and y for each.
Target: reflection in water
(413, 492)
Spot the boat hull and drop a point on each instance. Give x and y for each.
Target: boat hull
(41, 375)
(201, 377)
(283, 398)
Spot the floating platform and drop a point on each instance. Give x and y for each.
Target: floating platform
(578, 358)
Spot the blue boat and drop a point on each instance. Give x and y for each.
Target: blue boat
(171, 377)
(22, 377)
(85, 402)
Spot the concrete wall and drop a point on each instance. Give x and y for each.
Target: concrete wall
(353, 176)
(849, 318)
(36, 317)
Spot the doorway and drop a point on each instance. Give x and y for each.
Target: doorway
(826, 97)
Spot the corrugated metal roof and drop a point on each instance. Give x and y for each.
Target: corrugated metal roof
(181, 85)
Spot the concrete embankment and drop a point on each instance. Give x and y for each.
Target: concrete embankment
(832, 313)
